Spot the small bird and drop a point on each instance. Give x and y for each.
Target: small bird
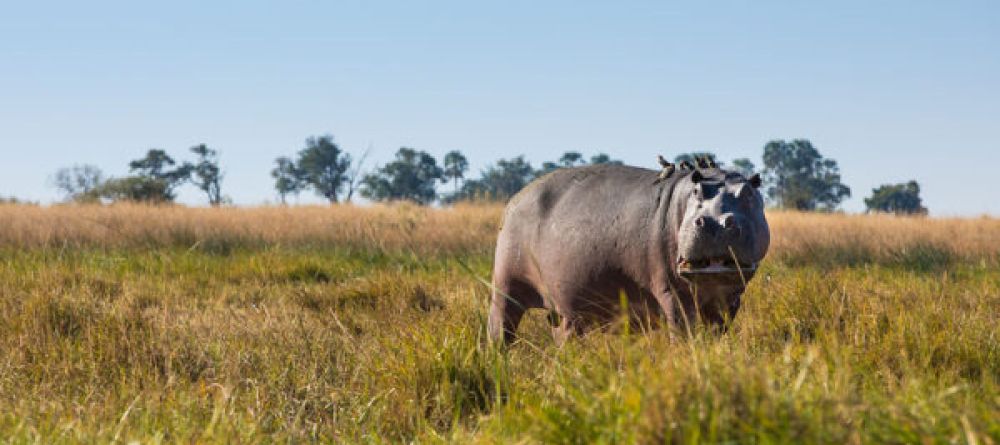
(668, 169)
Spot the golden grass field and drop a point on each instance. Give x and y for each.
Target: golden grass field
(366, 324)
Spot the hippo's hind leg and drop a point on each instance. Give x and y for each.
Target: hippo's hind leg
(510, 299)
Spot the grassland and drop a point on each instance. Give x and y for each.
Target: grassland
(166, 325)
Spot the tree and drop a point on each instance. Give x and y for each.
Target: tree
(547, 167)
(287, 178)
(410, 177)
(206, 173)
(498, 182)
(571, 159)
(354, 175)
(156, 176)
(10, 200)
(156, 164)
(568, 159)
(744, 167)
(455, 166)
(77, 182)
(801, 178)
(508, 177)
(602, 158)
(132, 188)
(324, 166)
(903, 198)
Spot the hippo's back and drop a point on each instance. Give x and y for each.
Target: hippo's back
(581, 220)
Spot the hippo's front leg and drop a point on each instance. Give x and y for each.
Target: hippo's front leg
(679, 312)
(668, 306)
(721, 313)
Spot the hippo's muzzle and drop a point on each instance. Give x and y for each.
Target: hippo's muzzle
(716, 270)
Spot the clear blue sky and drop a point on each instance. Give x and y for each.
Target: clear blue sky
(893, 90)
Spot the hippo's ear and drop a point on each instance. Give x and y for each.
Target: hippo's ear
(663, 162)
(696, 176)
(755, 180)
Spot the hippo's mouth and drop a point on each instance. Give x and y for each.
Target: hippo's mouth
(713, 266)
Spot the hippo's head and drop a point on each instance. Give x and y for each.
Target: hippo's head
(723, 233)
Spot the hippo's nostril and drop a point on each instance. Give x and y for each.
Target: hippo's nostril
(700, 221)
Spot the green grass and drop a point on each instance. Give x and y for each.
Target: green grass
(297, 344)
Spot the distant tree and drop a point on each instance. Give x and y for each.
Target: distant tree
(799, 177)
(602, 158)
(410, 177)
(508, 177)
(156, 175)
(324, 166)
(547, 167)
(77, 182)
(455, 166)
(693, 156)
(10, 200)
(744, 167)
(156, 164)
(144, 189)
(571, 159)
(206, 174)
(287, 178)
(354, 175)
(903, 198)
(498, 182)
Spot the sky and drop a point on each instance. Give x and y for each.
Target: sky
(893, 90)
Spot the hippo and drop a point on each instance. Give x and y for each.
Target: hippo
(591, 244)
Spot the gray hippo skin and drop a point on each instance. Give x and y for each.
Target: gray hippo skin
(679, 245)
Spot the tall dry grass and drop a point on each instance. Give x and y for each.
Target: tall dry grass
(811, 238)
(800, 238)
(367, 325)
(387, 228)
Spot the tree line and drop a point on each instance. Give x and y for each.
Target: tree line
(153, 178)
(796, 176)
